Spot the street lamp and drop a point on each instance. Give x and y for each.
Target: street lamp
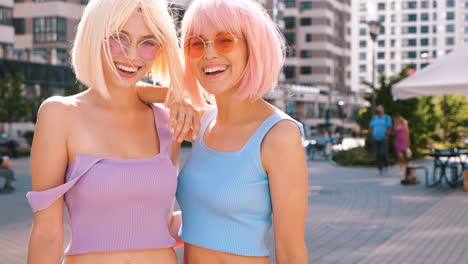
(374, 29)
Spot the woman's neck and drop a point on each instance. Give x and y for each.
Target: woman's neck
(119, 99)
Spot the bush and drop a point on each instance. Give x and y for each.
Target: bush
(359, 157)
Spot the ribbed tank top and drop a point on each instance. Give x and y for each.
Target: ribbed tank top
(117, 204)
(225, 196)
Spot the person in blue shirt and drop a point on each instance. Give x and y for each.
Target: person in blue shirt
(380, 127)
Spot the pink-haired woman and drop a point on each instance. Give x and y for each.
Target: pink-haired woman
(248, 166)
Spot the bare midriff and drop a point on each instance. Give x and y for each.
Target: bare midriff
(198, 255)
(164, 255)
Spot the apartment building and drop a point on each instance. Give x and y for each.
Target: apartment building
(7, 33)
(412, 32)
(319, 38)
(45, 29)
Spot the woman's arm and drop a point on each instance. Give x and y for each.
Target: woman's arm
(48, 165)
(184, 119)
(174, 219)
(151, 94)
(284, 160)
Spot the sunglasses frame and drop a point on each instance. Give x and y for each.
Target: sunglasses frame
(206, 42)
(130, 43)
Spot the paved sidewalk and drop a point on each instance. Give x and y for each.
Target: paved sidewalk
(354, 216)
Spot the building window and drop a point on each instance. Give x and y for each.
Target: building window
(84, 2)
(392, 43)
(381, 6)
(306, 70)
(19, 25)
(382, 30)
(306, 54)
(290, 22)
(410, 17)
(382, 18)
(362, 43)
(450, 3)
(409, 42)
(362, 68)
(290, 38)
(466, 5)
(425, 17)
(410, 30)
(381, 55)
(381, 43)
(306, 21)
(424, 29)
(466, 17)
(6, 15)
(434, 4)
(49, 29)
(450, 15)
(308, 37)
(305, 5)
(381, 67)
(466, 30)
(411, 5)
(411, 54)
(289, 72)
(392, 55)
(62, 56)
(434, 29)
(424, 4)
(450, 28)
(290, 3)
(290, 52)
(362, 55)
(450, 41)
(362, 31)
(424, 42)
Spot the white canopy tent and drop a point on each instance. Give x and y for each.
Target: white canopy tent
(445, 75)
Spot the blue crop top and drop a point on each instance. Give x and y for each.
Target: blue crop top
(225, 196)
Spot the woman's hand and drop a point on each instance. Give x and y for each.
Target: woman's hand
(184, 121)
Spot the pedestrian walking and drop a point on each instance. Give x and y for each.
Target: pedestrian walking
(380, 128)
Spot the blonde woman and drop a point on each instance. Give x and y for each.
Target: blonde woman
(105, 154)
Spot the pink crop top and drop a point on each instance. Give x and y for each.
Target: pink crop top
(117, 204)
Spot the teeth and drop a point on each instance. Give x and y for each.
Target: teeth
(215, 69)
(127, 69)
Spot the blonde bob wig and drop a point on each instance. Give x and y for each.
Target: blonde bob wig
(102, 18)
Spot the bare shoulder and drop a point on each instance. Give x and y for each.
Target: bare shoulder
(57, 107)
(282, 133)
(56, 112)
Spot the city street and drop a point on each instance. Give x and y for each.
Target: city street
(354, 216)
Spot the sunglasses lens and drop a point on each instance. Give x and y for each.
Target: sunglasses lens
(118, 43)
(194, 47)
(148, 49)
(224, 42)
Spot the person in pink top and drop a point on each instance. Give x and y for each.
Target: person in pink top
(105, 154)
(402, 142)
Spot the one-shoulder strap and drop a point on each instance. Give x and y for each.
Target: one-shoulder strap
(161, 116)
(43, 199)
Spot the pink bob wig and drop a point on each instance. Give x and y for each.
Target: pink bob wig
(246, 19)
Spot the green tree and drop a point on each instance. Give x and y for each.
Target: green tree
(13, 104)
(452, 116)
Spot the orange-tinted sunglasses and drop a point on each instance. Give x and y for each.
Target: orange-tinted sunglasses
(195, 46)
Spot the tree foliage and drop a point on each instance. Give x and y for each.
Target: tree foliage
(13, 103)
